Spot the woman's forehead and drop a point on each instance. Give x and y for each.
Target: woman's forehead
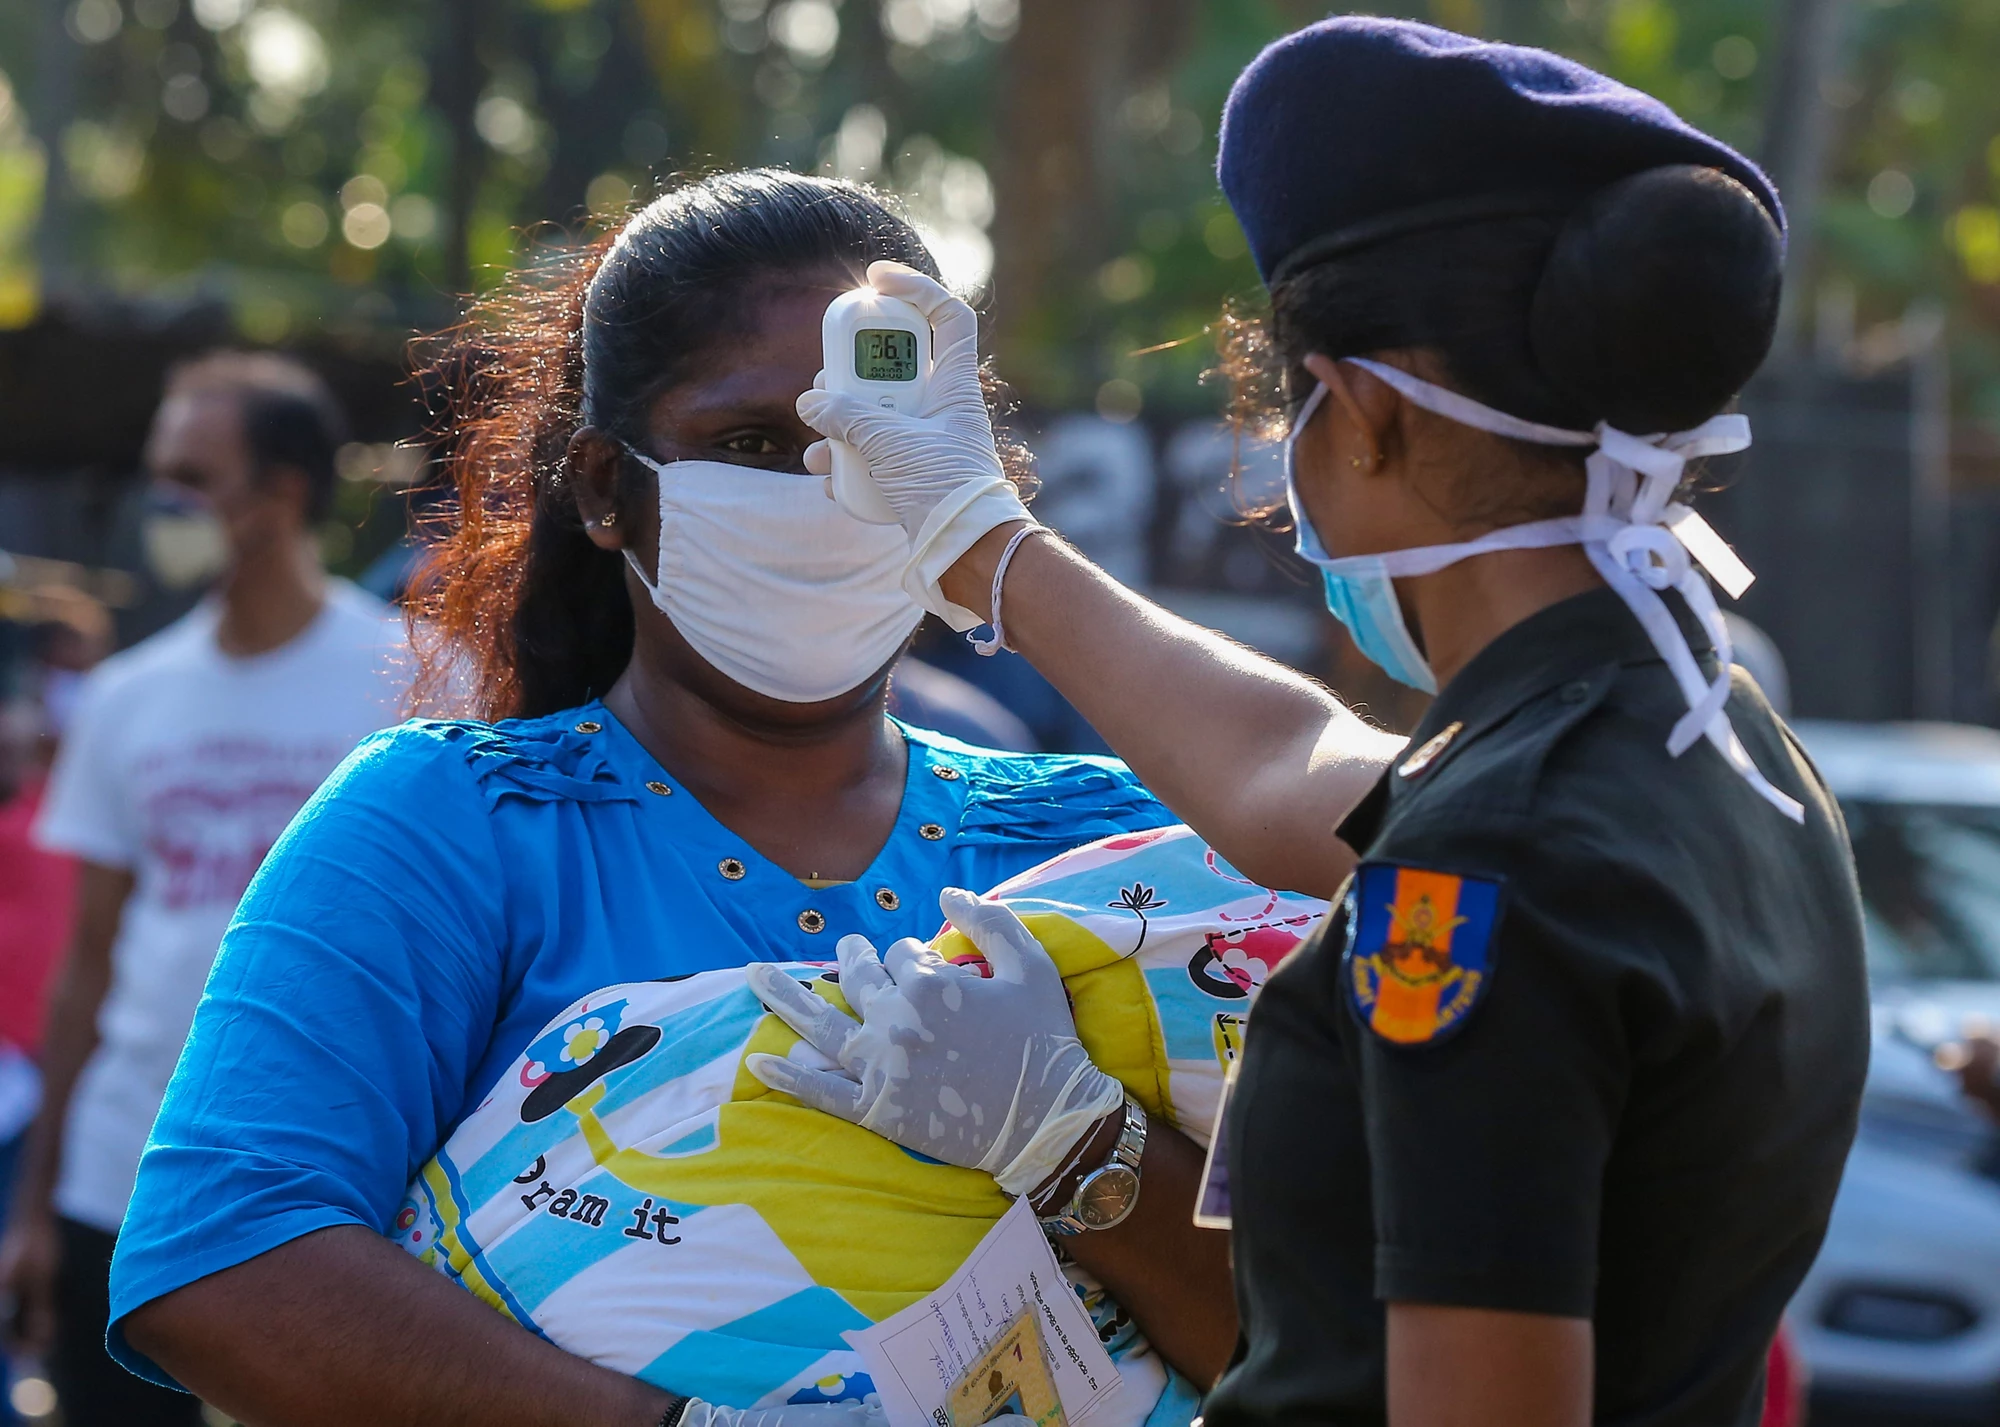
(775, 321)
(748, 389)
(761, 359)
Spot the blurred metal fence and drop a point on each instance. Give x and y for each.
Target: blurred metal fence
(1879, 583)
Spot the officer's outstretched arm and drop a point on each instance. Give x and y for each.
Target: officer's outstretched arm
(1260, 760)
(1479, 1367)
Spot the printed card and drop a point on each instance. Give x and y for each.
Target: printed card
(1211, 1206)
(921, 1357)
(1012, 1378)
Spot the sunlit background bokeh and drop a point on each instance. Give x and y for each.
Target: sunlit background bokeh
(349, 164)
(335, 176)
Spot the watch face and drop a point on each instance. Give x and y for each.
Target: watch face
(1107, 1196)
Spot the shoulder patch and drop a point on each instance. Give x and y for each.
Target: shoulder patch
(1420, 949)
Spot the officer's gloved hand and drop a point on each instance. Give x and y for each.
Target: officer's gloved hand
(801, 1414)
(938, 469)
(984, 1073)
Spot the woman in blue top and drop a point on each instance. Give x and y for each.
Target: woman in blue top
(688, 647)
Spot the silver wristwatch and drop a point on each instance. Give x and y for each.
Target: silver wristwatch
(1109, 1193)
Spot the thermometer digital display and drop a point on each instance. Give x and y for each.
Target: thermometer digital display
(885, 354)
(876, 348)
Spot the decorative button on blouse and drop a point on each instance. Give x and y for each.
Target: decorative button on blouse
(940, 770)
(811, 921)
(732, 868)
(590, 726)
(931, 832)
(887, 900)
(656, 786)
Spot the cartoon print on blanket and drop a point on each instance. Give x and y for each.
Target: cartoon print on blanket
(632, 1193)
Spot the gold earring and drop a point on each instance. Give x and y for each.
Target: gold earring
(606, 521)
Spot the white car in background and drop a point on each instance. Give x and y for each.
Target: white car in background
(1899, 1319)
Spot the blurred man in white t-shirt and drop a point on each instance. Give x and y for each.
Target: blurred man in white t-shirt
(185, 758)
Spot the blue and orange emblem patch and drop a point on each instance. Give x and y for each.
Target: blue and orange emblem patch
(1420, 949)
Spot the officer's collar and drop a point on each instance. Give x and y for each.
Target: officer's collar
(1568, 641)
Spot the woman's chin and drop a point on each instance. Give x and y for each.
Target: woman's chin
(675, 662)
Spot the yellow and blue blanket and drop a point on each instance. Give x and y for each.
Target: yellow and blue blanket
(630, 1192)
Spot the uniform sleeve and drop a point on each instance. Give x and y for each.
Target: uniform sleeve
(351, 998)
(87, 811)
(1492, 1110)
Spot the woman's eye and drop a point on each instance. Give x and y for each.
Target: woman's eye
(752, 443)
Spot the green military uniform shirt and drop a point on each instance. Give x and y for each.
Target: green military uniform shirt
(1586, 1037)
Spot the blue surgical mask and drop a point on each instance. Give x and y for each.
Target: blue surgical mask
(1359, 590)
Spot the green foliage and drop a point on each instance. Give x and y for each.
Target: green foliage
(296, 156)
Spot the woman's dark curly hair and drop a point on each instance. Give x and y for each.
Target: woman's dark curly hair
(515, 612)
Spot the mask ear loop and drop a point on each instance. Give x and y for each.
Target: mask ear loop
(659, 471)
(1342, 393)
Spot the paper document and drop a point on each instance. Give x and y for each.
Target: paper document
(918, 1357)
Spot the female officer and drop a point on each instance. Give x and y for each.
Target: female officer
(1546, 1128)
(687, 649)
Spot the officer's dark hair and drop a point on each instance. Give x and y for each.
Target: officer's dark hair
(1649, 305)
(290, 418)
(590, 336)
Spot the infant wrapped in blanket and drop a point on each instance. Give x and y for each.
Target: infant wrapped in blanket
(632, 1193)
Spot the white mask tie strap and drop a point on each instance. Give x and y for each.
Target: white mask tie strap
(1639, 538)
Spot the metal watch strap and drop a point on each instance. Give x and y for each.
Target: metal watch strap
(1125, 1155)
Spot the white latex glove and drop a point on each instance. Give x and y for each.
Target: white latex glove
(938, 469)
(984, 1073)
(798, 1414)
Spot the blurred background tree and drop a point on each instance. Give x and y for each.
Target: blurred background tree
(334, 175)
(352, 165)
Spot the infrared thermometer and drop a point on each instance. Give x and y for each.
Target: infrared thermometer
(876, 348)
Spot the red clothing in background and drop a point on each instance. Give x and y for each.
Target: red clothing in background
(1784, 1384)
(37, 900)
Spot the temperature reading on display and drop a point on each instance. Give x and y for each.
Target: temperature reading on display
(883, 354)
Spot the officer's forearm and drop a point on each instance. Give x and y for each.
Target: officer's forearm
(1257, 758)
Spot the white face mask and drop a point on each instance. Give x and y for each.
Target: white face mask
(184, 541)
(774, 584)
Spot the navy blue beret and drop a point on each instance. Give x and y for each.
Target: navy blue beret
(1359, 129)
